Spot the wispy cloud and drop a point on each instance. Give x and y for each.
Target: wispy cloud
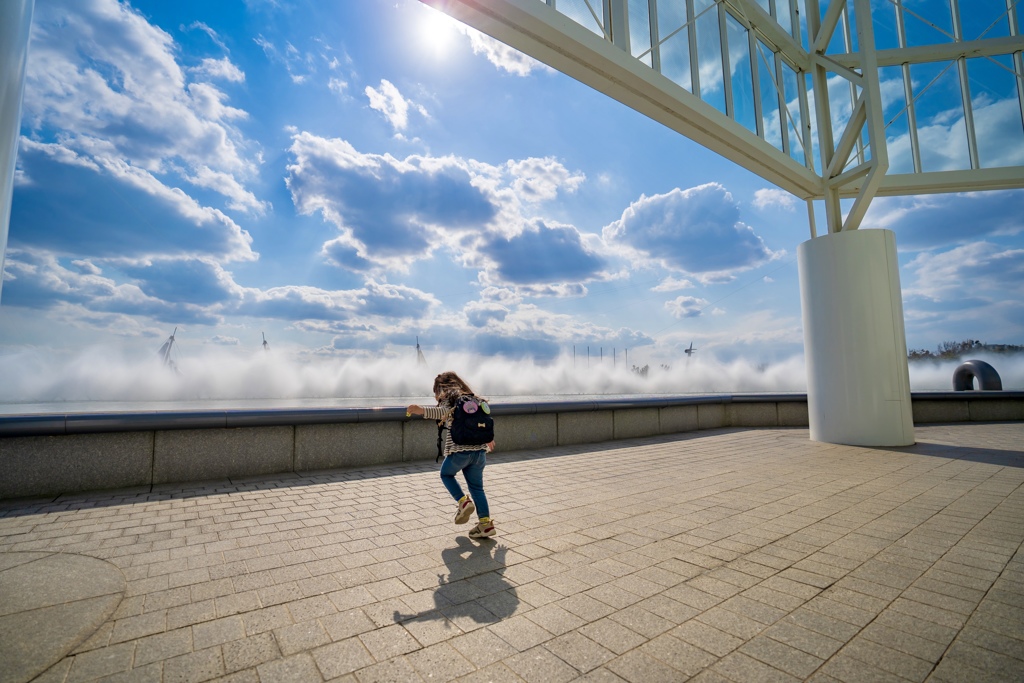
(221, 69)
(390, 102)
(506, 58)
(928, 221)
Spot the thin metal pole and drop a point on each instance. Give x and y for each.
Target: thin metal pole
(908, 89)
(723, 37)
(755, 78)
(691, 33)
(965, 88)
(1018, 57)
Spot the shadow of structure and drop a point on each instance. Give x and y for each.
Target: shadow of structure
(475, 588)
(991, 456)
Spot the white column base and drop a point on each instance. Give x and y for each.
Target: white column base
(858, 382)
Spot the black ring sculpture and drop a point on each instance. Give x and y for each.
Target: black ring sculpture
(988, 378)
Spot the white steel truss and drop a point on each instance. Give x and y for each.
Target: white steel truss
(803, 93)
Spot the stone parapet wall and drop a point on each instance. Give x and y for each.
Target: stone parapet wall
(54, 454)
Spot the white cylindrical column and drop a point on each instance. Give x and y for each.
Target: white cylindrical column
(15, 23)
(858, 382)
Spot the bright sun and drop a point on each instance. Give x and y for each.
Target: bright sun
(437, 32)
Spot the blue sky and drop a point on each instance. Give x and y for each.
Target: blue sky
(348, 176)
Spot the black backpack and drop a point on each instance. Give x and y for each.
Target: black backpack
(472, 424)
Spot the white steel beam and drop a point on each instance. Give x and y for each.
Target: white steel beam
(940, 52)
(558, 41)
(770, 31)
(871, 96)
(605, 63)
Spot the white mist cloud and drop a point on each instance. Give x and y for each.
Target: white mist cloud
(220, 375)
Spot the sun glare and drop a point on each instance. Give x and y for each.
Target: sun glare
(437, 32)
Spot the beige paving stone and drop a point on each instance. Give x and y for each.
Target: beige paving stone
(782, 656)
(739, 666)
(342, 658)
(706, 637)
(390, 641)
(787, 551)
(249, 652)
(163, 646)
(638, 667)
(300, 668)
(539, 665)
(203, 665)
(211, 633)
(103, 662)
(687, 659)
(396, 669)
(300, 637)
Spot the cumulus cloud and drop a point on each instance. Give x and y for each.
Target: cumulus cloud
(110, 80)
(696, 231)
(526, 330)
(390, 102)
(539, 180)
(110, 112)
(184, 290)
(767, 198)
(542, 254)
(388, 211)
(482, 313)
(671, 284)
(686, 306)
(148, 219)
(38, 280)
(374, 300)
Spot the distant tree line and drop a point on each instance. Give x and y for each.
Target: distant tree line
(950, 350)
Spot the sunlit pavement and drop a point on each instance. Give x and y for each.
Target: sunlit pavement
(727, 555)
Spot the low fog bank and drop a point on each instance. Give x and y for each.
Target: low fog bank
(938, 375)
(212, 375)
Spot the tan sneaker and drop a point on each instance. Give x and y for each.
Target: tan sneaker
(466, 508)
(483, 530)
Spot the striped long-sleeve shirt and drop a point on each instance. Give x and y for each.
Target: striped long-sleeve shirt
(444, 412)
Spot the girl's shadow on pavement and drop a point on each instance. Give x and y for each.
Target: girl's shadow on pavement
(475, 587)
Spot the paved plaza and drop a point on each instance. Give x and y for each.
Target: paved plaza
(713, 556)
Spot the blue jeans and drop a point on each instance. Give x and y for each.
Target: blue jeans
(471, 464)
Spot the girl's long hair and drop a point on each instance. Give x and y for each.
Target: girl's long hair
(448, 387)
